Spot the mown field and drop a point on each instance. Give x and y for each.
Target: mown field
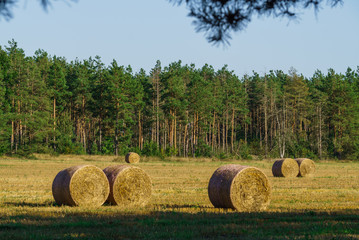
(325, 206)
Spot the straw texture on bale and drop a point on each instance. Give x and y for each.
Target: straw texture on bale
(132, 157)
(286, 167)
(83, 185)
(239, 187)
(129, 185)
(306, 167)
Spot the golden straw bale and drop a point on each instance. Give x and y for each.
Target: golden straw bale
(306, 167)
(239, 187)
(286, 167)
(83, 185)
(129, 185)
(132, 157)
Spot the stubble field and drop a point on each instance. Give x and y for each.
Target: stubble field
(325, 206)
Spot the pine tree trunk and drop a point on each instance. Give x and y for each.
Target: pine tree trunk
(193, 142)
(139, 131)
(100, 137)
(196, 132)
(154, 125)
(213, 130)
(175, 130)
(84, 123)
(223, 134)
(320, 133)
(272, 127)
(171, 128)
(179, 140)
(54, 124)
(232, 134)
(265, 128)
(184, 141)
(157, 112)
(245, 132)
(20, 123)
(12, 136)
(260, 127)
(84, 143)
(165, 134)
(227, 131)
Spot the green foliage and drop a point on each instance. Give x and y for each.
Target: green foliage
(171, 151)
(107, 147)
(48, 105)
(203, 150)
(224, 156)
(243, 150)
(151, 149)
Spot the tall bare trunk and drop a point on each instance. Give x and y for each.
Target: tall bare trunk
(157, 111)
(175, 131)
(213, 130)
(12, 135)
(218, 146)
(139, 130)
(54, 108)
(83, 124)
(232, 134)
(184, 141)
(320, 133)
(265, 128)
(223, 134)
(20, 123)
(154, 125)
(100, 132)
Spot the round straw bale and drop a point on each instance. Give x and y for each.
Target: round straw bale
(83, 185)
(286, 167)
(129, 185)
(239, 187)
(306, 167)
(132, 157)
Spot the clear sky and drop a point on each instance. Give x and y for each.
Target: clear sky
(139, 32)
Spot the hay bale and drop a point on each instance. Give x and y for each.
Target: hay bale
(306, 167)
(286, 167)
(239, 187)
(132, 157)
(128, 185)
(83, 185)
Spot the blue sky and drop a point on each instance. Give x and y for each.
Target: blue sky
(139, 32)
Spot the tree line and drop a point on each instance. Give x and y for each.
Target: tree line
(49, 105)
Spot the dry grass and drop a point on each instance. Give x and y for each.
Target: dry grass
(180, 191)
(335, 185)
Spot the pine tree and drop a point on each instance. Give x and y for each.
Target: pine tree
(77, 79)
(5, 129)
(196, 131)
(137, 92)
(296, 98)
(318, 130)
(156, 92)
(174, 100)
(56, 83)
(121, 97)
